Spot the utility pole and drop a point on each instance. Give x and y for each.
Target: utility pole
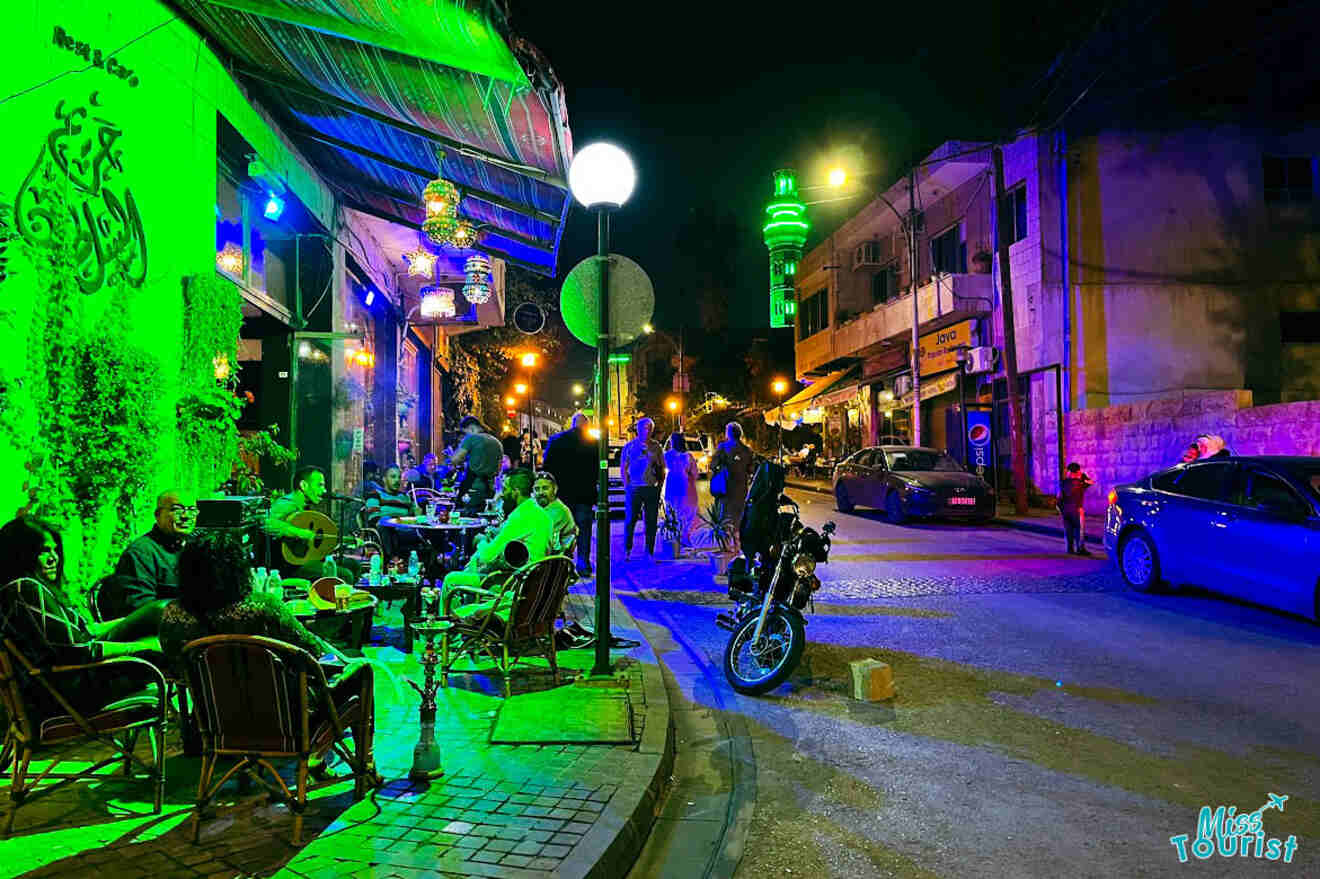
(1010, 343)
(912, 223)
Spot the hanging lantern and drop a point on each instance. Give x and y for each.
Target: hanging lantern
(440, 227)
(421, 263)
(477, 268)
(441, 198)
(437, 302)
(465, 234)
(477, 294)
(230, 260)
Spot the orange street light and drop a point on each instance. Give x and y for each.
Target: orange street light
(520, 388)
(673, 405)
(509, 401)
(779, 387)
(529, 359)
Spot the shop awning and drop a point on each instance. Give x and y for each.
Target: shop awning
(833, 388)
(376, 91)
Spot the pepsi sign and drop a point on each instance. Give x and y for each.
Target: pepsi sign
(978, 438)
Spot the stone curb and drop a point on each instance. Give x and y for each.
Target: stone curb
(608, 850)
(1016, 524)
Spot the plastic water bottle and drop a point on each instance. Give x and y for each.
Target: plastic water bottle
(275, 585)
(259, 580)
(328, 568)
(376, 569)
(414, 565)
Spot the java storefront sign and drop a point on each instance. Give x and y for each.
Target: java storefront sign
(938, 351)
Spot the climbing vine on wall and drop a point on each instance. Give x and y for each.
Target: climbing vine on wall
(92, 408)
(209, 408)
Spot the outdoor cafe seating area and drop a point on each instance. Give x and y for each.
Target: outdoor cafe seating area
(256, 716)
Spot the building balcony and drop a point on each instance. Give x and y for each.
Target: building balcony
(943, 301)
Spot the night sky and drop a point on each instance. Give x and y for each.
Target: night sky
(710, 98)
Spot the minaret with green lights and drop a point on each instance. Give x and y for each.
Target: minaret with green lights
(785, 232)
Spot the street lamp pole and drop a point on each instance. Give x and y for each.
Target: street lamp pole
(779, 387)
(912, 222)
(602, 661)
(601, 177)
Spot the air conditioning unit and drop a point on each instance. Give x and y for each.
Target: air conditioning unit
(902, 386)
(983, 359)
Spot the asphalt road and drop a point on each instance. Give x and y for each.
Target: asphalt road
(1048, 721)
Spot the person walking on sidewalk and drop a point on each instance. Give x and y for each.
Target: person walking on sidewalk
(642, 466)
(1072, 491)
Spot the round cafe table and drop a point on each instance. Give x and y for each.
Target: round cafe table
(454, 531)
(359, 613)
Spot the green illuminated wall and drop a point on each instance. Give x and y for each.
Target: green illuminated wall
(129, 140)
(785, 232)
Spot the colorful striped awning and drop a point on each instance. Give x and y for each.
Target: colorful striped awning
(376, 92)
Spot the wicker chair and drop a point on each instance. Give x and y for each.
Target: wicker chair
(260, 699)
(117, 724)
(538, 592)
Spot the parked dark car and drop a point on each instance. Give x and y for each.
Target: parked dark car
(908, 481)
(1246, 527)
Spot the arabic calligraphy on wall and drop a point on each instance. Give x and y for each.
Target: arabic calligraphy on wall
(81, 158)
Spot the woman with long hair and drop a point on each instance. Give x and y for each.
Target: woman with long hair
(680, 490)
(36, 613)
(216, 598)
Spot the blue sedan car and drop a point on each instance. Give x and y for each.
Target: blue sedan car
(1246, 527)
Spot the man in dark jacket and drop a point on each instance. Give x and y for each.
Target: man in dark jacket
(148, 570)
(571, 456)
(1072, 491)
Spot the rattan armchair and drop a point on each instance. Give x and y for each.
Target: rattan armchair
(117, 723)
(538, 590)
(260, 699)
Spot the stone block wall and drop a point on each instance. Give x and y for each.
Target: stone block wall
(1119, 444)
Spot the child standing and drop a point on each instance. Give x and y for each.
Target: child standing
(1072, 490)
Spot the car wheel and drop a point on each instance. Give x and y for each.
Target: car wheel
(894, 508)
(842, 503)
(1139, 562)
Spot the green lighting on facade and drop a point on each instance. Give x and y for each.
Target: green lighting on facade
(785, 233)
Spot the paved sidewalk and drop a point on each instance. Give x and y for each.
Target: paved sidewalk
(1037, 520)
(500, 810)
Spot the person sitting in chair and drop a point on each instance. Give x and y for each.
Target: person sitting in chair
(147, 573)
(526, 523)
(563, 530)
(216, 598)
(36, 614)
(308, 491)
(393, 500)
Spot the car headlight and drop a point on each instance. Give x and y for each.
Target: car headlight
(804, 564)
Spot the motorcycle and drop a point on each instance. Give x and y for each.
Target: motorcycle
(771, 582)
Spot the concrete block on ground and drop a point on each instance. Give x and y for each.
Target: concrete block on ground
(873, 680)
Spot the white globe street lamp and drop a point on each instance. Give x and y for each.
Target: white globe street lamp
(601, 175)
(602, 178)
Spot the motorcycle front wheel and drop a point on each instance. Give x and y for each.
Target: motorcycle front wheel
(758, 667)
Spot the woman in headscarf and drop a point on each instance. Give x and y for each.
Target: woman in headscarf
(1209, 445)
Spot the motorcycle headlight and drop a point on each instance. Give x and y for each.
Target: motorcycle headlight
(804, 564)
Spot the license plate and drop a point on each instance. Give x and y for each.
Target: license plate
(962, 501)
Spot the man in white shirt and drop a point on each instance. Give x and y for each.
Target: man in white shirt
(526, 523)
(563, 530)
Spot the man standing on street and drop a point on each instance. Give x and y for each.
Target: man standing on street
(571, 457)
(642, 466)
(481, 452)
(1072, 491)
(734, 459)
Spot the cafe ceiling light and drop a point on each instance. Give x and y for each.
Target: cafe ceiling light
(440, 198)
(477, 288)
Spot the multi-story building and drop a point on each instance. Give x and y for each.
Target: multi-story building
(1144, 264)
